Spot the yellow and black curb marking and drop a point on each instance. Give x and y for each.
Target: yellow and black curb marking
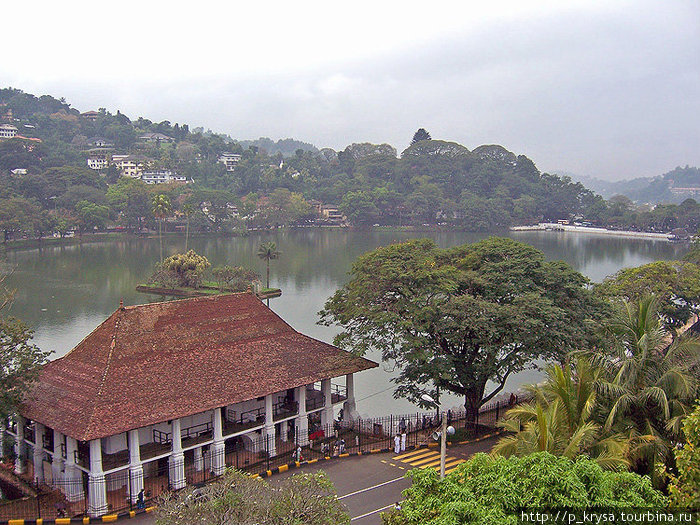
(266, 474)
(108, 518)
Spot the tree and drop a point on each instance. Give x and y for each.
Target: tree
(91, 215)
(684, 489)
(268, 251)
(419, 135)
(675, 284)
(495, 490)
(456, 319)
(238, 499)
(20, 360)
(161, 208)
(560, 420)
(186, 268)
(236, 278)
(649, 384)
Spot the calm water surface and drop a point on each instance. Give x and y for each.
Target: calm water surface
(65, 292)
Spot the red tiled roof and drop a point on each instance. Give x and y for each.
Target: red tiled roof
(151, 363)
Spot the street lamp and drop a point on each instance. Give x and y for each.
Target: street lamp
(443, 434)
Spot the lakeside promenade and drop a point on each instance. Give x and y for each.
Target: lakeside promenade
(549, 226)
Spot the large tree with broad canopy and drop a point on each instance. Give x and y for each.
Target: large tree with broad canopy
(456, 319)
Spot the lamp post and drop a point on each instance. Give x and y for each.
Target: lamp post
(443, 433)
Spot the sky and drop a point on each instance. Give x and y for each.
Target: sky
(607, 89)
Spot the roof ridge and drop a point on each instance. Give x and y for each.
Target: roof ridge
(112, 345)
(175, 301)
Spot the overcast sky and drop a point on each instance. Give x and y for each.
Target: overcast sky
(601, 88)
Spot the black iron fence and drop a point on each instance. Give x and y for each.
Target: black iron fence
(253, 453)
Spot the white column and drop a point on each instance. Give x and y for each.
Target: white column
(97, 490)
(176, 461)
(73, 478)
(349, 408)
(135, 465)
(38, 452)
(57, 460)
(217, 448)
(20, 464)
(270, 426)
(198, 459)
(327, 412)
(301, 430)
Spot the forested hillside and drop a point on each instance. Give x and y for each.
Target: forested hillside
(63, 170)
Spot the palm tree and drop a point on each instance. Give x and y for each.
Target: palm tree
(560, 420)
(268, 251)
(160, 206)
(649, 383)
(187, 209)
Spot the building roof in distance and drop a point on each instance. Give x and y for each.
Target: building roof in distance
(155, 362)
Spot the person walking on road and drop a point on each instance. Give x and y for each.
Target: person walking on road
(397, 444)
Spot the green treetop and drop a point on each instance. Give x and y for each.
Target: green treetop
(458, 319)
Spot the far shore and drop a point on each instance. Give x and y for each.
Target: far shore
(548, 226)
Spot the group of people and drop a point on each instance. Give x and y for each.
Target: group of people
(400, 438)
(338, 448)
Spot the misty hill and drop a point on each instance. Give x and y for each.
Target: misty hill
(93, 164)
(672, 187)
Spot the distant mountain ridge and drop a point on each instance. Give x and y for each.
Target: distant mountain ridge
(672, 187)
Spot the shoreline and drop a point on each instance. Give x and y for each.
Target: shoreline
(546, 226)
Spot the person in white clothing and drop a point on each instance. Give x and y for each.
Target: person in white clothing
(397, 444)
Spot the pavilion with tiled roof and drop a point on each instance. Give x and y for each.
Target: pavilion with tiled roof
(158, 380)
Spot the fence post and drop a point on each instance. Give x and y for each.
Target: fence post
(498, 405)
(267, 450)
(391, 428)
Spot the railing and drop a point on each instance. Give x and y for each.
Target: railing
(284, 408)
(315, 402)
(249, 416)
(161, 437)
(196, 430)
(340, 391)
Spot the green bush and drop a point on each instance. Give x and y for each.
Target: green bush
(493, 490)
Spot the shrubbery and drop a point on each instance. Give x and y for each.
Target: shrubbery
(494, 490)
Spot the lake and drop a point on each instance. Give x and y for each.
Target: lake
(65, 292)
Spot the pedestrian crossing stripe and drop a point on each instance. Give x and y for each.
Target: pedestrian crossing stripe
(414, 454)
(423, 458)
(424, 461)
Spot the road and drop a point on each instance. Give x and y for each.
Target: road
(368, 485)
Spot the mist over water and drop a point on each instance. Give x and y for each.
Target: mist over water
(65, 292)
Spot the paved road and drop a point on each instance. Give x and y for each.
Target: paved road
(368, 485)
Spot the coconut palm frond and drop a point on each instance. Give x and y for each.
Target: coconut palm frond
(580, 439)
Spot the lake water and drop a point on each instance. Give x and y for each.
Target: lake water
(65, 292)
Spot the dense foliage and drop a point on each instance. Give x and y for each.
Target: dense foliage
(561, 419)
(684, 489)
(676, 286)
(649, 383)
(20, 360)
(456, 319)
(432, 181)
(238, 499)
(181, 270)
(495, 490)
